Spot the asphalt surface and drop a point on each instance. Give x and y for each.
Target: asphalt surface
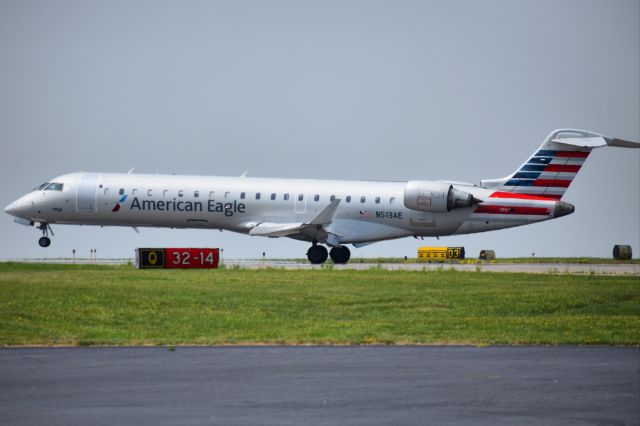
(320, 386)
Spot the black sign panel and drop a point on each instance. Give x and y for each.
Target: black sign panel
(150, 258)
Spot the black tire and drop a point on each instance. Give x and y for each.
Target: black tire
(44, 241)
(317, 254)
(340, 255)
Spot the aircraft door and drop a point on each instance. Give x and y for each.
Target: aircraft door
(87, 192)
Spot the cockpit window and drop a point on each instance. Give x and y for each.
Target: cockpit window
(49, 186)
(54, 187)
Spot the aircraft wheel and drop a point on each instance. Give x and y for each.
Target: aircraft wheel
(340, 254)
(317, 254)
(44, 241)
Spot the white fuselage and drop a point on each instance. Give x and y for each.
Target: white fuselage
(322, 212)
(368, 211)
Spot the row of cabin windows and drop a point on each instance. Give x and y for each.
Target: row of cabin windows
(243, 195)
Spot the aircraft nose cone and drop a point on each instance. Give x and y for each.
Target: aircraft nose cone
(11, 208)
(18, 208)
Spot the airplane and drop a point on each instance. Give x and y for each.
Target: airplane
(321, 212)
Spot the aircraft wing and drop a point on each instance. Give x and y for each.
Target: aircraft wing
(273, 229)
(313, 229)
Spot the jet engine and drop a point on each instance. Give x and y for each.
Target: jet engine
(430, 196)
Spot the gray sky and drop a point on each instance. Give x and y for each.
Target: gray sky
(460, 90)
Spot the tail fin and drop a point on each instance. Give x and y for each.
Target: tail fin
(552, 167)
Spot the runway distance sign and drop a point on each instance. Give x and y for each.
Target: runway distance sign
(440, 253)
(177, 258)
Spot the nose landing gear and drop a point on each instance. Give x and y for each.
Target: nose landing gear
(45, 241)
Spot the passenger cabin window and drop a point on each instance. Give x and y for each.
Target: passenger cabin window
(273, 196)
(121, 192)
(316, 197)
(392, 200)
(377, 200)
(333, 197)
(362, 199)
(180, 193)
(106, 191)
(286, 197)
(257, 195)
(165, 192)
(149, 192)
(134, 191)
(196, 194)
(348, 198)
(300, 197)
(211, 194)
(226, 194)
(242, 195)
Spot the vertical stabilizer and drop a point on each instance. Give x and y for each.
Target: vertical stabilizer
(552, 167)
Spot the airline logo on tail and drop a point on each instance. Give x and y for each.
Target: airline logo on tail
(547, 173)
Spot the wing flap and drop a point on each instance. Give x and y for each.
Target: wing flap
(273, 229)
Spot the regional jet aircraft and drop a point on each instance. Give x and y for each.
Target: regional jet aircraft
(322, 212)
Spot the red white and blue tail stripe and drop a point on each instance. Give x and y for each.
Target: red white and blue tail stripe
(551, 169)
(532, 193)
(547, 173)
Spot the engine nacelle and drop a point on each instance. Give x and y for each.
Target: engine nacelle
(428, 196)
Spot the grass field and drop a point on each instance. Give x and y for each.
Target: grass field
(107, 305)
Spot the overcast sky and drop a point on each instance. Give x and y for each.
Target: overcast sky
(389, 90)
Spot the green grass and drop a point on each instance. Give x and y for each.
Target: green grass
(106, 305)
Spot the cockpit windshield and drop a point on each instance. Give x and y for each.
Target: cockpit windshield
(54, 187)
(49, 186)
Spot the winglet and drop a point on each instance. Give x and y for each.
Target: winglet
(326, 216)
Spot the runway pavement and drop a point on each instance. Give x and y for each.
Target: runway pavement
(362, 264)
(540, 268)
(320, 386)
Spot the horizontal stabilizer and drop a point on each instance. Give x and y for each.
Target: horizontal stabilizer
(596, 142)
(592, 142)
(624, 144)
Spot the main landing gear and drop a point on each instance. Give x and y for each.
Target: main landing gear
(318, 254)
(340, 254)
(45, 241)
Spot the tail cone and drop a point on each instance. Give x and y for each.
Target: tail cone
(563, 209)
